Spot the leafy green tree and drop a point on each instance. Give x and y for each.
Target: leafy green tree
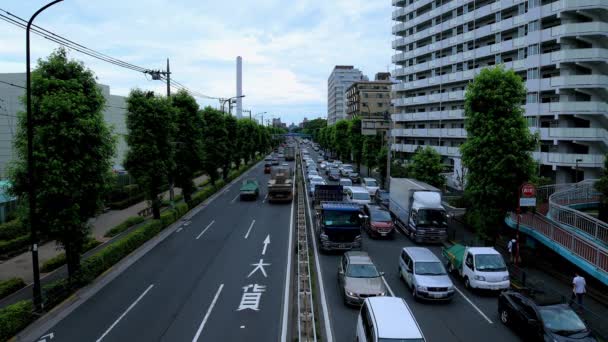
(150, 129)
(187, 141)
(426, 166)
(247, 137)
(356, 141)
(399, 170)
(602, 186)
(73, 150)
(313, 127)
(214, 142)
(382, 163)
(497, 150)
(371, 149)
(233, 155)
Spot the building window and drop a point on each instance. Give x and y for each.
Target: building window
(533, 3)
(533, 73)
(533, 50)
(533, 26)
(532, 98)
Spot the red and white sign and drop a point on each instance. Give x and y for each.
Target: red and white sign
(528, 190)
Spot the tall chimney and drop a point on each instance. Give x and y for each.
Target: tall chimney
(239, 87)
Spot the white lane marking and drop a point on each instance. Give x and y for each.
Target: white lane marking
(328, 331)
(474, 306)
(265, 197)
(179, 229)
(242, 327)
(204, 230)
(266, 242)
(200, 328)
(288, 271)
(249, 230)
(126, 312)
(388, 287)
(49, 335)
(235, 197)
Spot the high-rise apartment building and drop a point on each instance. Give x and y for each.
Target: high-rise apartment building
(559, 47)
(340, 79)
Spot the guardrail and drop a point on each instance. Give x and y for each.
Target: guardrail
(576, 244)
(560, 210)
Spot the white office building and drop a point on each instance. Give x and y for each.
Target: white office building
(11, 89)
(340, 79)
(559, 47)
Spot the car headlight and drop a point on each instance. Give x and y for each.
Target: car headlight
(505, 278)
(421, 288)
(382, 294)
(352, 294)
(323, 236)
(478, 277)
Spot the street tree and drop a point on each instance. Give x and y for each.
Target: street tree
(371, 149)
(188, 142)
(341, 139)
(150, 130)
(73, 149)
(356, 141)
(313, 127)
(383, 163)
(233, 155)
(426, 166)
(214, 142)
(497, 152)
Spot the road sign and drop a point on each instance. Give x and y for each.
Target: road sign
(528, 190)
(527, 201)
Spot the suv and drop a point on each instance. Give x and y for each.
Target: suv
(387, 319)
(378, 222)
(356, 194)
(541, 319)
(358, 278)
(424, 274)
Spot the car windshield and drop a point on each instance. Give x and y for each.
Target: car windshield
(333, 171)
(561, 320)
(429, 268)
(431, 217)
(363, 196)
(380, 216)
(346, 182)
(362, 271)
(371, 183)
(490, 263)
(341, 219)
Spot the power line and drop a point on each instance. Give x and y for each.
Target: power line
(11, 84)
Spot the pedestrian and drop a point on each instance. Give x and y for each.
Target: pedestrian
(579, 287)
(512, 248)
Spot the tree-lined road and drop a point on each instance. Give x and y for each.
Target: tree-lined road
(469, 317)
(191, 286)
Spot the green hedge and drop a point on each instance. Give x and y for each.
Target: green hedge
(12, 229)
(167, 217)
(119, 205)
(15, 317)
(128, 223)
(9, 286)
(14, 245)
(59, 260)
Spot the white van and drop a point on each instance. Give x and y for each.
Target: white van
(386, 319)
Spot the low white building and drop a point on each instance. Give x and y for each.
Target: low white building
(12, 87)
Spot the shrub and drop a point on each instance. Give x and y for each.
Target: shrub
(11, 230)
(15, 317)
(59, 260)
(131, 188)
(167, 217)
(128, 223)
(14, 245)
(181, 209)
(9, 286)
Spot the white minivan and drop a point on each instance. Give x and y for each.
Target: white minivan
(387, 319)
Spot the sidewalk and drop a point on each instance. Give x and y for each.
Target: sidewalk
(21, 265)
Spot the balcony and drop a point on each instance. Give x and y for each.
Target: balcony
(430, 132)
(443, 150)
(569, 159)
(572, 133)
(580, 81)
(577, 5)
(429, 116)
(432, 98)
(578, 29)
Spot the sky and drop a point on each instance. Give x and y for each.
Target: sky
(289, 47)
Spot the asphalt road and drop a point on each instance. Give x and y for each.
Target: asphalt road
(191, 286)
(469, 317)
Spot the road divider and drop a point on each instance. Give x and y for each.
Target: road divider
(286, 293)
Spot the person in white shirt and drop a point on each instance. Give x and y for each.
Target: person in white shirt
(512, 248)
(579, 287)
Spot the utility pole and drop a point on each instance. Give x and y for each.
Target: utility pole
(31, 164)
(171, 175)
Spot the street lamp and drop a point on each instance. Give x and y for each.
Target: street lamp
(576, 170)
(262, 113)
(229, 100)
(31, 163)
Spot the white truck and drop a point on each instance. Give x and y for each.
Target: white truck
(479, 267)
(417, 210)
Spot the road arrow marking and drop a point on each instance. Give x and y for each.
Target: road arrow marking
(266, 242)
(43, 338)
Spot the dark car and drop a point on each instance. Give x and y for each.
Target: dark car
(334, 175)
(541, 319)
(381, 198)
(379, 222)
(354, 177)
(267, 167)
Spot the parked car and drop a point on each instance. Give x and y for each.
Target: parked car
(358, 278)
(354, 177)
(334, 174)
(345, 182)
(357, 194)
(371, 185)
(541, 319)
(387, 319)
(313, 183)
(381, 197)
(424, 274)
(378, 222)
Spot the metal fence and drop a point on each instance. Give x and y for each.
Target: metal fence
(580, 193)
